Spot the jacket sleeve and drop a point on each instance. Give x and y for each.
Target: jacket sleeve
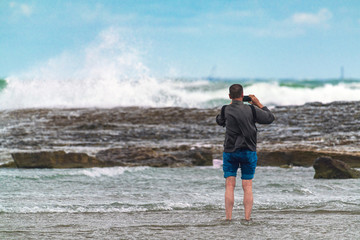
(264, 116)
(220, 118)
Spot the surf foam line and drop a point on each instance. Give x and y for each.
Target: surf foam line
(273, 93)
(108, 172)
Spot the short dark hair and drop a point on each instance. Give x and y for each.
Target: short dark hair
(236, 91)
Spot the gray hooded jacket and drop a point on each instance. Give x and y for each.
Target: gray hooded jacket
(240, 125)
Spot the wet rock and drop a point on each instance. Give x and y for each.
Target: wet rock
(200, 157)
(326, 167)
(136, 156)
(58, 159)
(296, 137)
(8, 165)
(128, 156)
(286, 166)
(156, 157)
(286, 157)
(301, 157)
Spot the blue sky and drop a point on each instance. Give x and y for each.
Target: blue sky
(229, 39)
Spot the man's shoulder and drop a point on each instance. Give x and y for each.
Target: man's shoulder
(240, 110)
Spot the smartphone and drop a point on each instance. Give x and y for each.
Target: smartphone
(247, 99)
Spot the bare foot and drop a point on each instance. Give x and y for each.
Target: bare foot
(246, 222)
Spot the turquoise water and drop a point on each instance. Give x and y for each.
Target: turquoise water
(3, 84)
(173, 203)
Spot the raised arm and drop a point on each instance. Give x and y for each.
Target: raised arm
(263, 114)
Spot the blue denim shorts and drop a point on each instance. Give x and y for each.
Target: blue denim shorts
(244, 159)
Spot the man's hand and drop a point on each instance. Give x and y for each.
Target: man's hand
(255, 101)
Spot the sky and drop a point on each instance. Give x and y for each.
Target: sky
(222, 39)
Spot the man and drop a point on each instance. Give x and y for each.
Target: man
(240, 144)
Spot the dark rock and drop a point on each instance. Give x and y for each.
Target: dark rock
(287, 157)
(326, 167)
(286, 166)
(8, 165)
(297, 137)
(58, 159)
(200, 157)
(130, 156)
(135, 156)
(156, 157)
(301, 157)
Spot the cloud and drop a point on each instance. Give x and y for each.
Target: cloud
(297, 24)
(21, 8)
(311, 19)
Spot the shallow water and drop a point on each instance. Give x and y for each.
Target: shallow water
(180, 203)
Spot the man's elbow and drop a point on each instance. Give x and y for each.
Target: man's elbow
(272, 119)
(267, 120)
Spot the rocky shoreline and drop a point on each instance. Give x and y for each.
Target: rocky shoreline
(171, 137)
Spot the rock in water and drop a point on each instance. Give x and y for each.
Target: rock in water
(129, 156)
(132, 157)
(326, 167)
(57, 159)
(8, 165)
(156, 157)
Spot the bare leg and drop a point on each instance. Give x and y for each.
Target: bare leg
(248, 198)
(229, 196)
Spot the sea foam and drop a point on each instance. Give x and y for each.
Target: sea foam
(109, 172)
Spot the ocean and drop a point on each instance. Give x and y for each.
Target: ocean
(173, 203)
(84, 114)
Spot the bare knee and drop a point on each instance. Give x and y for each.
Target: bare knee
(230, 182)
(247, 185)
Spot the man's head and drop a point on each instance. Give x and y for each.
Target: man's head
(235, 91)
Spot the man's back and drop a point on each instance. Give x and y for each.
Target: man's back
(240, 125)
